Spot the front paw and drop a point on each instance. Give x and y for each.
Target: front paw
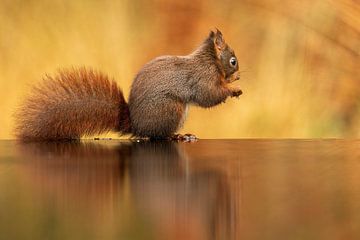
(232, 78)
(236, 92)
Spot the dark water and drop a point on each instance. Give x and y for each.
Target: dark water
(212, 189)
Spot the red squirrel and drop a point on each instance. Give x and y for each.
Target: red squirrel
(82, 102)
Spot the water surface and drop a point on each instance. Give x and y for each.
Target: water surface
(211, 189)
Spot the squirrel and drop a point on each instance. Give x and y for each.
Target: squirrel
(82, 102)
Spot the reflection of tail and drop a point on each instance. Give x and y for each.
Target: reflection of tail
(89, 172)
(72, 104)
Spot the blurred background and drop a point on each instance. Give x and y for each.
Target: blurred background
(300, 59)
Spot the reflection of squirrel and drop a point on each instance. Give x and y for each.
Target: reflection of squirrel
(82, 102)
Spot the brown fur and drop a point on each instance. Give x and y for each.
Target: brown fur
(166, 85)
(74, 103)
(84, 102)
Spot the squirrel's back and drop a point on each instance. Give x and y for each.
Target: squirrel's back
(74, 103)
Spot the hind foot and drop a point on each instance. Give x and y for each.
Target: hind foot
(184, 138)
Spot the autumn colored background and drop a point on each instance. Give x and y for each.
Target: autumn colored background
(300, 59)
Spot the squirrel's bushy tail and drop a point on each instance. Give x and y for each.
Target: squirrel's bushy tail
(73, 103)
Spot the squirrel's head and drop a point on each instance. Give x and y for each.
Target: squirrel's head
(224, 53)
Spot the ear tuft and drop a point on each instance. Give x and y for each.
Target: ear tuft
(217, 32)
(218, 40)
(212, 34)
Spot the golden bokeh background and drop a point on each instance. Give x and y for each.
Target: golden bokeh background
(300, 59)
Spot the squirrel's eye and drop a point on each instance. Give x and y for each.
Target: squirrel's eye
(233, 61)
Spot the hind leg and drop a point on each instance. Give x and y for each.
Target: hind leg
(158, 121)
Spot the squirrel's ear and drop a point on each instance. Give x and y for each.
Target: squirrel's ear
(218, 40)
(211, 35)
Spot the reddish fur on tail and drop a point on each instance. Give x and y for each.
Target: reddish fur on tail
(73, 103)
